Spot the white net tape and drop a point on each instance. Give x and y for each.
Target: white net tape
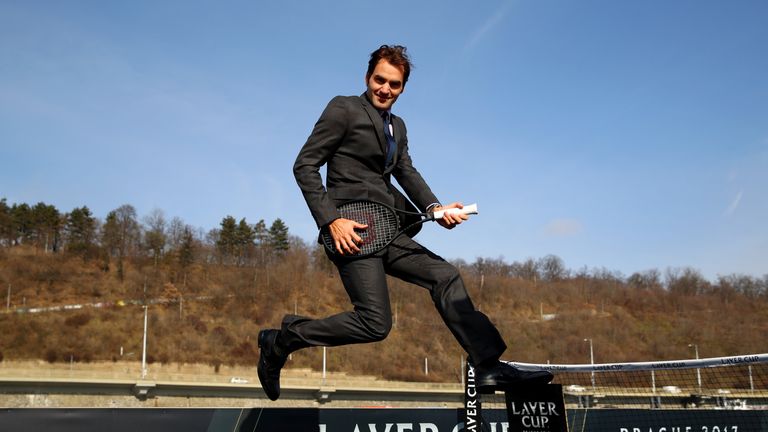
(647, 366)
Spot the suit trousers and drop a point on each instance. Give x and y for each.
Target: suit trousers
(371, 318)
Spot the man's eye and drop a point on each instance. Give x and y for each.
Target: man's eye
(380, 80)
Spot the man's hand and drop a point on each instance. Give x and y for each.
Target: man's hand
(450, 220)
(344, 236)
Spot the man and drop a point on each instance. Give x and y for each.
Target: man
(363, 146)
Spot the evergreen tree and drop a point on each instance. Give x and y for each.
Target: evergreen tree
(21, 224)
(6, 223)
(46, 226)
(261, 235)
(245, 238)
(261, 238)
(278, 237)
(187, 247)
(80, 231)
(227, 241)
(110, 234)
(110, 239)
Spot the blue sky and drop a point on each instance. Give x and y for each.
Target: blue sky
(623, 135)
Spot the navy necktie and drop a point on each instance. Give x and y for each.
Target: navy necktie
(391, 145)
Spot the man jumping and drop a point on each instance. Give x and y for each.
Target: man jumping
(364, 146)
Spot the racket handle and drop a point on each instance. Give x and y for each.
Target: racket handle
(468, 209)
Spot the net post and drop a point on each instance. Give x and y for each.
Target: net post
(472, 412)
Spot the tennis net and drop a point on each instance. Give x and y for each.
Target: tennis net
(723, 394)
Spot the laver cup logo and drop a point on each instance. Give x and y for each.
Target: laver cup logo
(536, 409)
(473, 416)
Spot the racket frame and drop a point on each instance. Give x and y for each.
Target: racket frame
(327, 239)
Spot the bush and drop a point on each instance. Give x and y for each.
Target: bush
(197, 324)
(51, 355)
(78, 320)
(244, 351)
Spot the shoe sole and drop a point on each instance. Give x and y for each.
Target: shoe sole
(260, 371)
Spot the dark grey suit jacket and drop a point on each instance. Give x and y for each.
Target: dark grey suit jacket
(349, 139)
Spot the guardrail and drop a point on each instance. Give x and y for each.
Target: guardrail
(146, 389)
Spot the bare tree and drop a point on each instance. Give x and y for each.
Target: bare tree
(155, 237)
(552, 268)
(687, 281)
(120, 235)
(176, 232)
(649, 279)
(526, 270)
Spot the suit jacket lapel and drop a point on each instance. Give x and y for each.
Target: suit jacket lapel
(378, 123)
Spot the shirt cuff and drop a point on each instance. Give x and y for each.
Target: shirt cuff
(432, 206)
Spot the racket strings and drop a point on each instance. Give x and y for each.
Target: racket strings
(382, 224)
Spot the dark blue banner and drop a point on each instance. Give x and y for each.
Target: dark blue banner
(364, 420)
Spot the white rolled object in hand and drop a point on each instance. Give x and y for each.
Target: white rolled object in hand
(467, 209)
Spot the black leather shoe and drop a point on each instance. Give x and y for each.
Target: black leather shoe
(270, 363)
(503, 376)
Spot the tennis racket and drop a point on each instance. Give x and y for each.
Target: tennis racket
(383, 224)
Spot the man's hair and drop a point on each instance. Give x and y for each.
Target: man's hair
(395, 55)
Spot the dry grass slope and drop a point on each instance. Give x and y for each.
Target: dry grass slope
(209, 313)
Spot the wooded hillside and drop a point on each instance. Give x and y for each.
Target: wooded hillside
(210, 292)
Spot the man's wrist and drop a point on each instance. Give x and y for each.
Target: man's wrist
(432, 207)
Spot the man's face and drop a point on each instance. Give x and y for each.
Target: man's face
(384, 85)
